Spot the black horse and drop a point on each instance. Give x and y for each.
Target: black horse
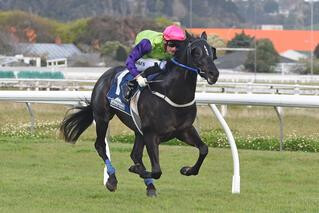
(167, 110)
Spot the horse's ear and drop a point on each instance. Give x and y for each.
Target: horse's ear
(188, 35)
(203, 35)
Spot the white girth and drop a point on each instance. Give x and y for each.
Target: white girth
(170, 102)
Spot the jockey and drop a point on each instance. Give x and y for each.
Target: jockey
(153, 47)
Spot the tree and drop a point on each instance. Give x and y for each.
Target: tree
(6, 44)
(114, 50)
(217, 42)
(240, 41)
(266, 57)
(271, 6)
(316, 51)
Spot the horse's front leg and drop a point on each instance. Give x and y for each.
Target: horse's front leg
(152, 142)
(138, 167)
(191, 137)
(137, 155)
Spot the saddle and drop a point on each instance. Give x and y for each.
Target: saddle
(119, 102)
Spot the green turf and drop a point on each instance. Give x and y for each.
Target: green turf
(41, 175)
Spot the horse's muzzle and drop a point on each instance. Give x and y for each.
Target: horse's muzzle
(211, 81)
(213, 77)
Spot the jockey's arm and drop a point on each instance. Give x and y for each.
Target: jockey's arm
(141, 49)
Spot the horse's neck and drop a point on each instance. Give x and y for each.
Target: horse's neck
(180, 84)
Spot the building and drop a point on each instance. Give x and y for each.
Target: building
(46, 54)
(283, 40)
(235, 61)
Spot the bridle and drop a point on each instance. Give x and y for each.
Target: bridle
(190, 67)
(209, 51)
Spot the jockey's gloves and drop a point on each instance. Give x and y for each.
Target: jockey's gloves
(141, 81)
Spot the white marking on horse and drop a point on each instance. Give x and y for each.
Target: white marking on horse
(206, 50)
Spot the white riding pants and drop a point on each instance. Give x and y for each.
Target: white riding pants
(144, 63)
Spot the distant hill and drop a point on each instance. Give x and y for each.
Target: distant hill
(205, 13)
(292, 14)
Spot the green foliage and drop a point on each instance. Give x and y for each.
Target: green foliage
(123, 29)
(266, 57)
(240, 41)
(7, 74)
(271, 6)
(115, 50)
(42, 130)
(46, 29)
(217, 42)
(308, 67)
(217, 138)
(121, 54)
(71, 31)
(40, 75)
(163, 22)
(316, 51)
(6, 44)
(21, 21)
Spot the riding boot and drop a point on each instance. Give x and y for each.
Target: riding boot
(131, 85)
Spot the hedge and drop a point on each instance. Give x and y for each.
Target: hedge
(217, 138)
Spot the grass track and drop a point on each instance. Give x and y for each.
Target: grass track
(52, 176)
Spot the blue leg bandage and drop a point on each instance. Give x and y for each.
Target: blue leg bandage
(148, 181)
(110, 168)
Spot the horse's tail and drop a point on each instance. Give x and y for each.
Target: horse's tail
(74, 124)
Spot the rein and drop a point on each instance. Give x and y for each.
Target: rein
(195, 70)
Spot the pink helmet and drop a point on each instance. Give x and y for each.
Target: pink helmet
(175, 33)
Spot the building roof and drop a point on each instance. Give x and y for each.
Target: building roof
(231, 60)
(283, 40)
(294, 55)
(235, 60)
(48, 50)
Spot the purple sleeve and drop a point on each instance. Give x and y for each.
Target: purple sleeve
(142, 48)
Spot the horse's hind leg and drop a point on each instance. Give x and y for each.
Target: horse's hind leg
(102, 121)
(191, 137)
(138, 167)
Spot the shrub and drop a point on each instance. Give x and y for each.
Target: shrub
(217, 138)
(214, 138)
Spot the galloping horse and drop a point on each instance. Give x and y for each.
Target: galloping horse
(166, 108)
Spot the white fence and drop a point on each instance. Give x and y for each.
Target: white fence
(202, 86)
(75, 97)
(94, 73)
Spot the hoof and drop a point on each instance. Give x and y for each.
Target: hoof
(145, 174)
(151, 191)
(137, 169)
(111, 183)
(187, 171)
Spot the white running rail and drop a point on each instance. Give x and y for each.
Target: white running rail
(76, 97)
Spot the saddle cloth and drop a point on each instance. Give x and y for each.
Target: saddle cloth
(117, 100)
